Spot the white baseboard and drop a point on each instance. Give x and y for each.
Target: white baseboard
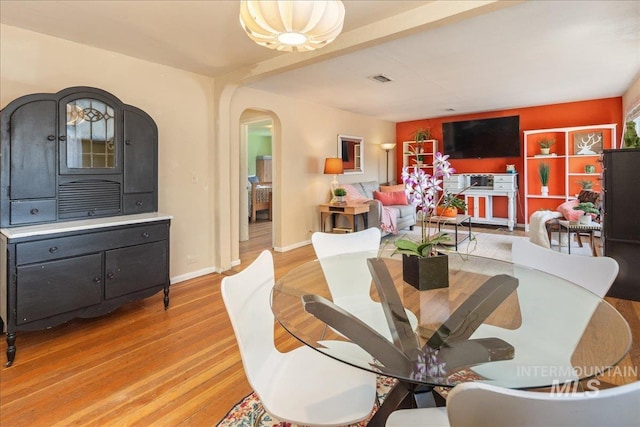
(291, 247)
(194, 274)
(209, 270)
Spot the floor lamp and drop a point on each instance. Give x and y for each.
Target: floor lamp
(388, 146)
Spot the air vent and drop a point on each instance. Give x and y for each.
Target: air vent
(381, 78)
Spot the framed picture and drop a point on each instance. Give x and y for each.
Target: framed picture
(587, 143)
(351, 150)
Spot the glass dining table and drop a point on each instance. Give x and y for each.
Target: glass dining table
(497, 322)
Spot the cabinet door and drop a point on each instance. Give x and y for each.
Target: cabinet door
(33, 151)
(136, 268)
(90, 136)
(139, 153)
(57, 287)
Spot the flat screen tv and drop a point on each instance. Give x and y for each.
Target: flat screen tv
(483, 138)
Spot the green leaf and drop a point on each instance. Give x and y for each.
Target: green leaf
(406, 244)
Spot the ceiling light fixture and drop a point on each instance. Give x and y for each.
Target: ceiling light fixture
(286, 25)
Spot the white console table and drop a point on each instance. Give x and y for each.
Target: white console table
(486, 186)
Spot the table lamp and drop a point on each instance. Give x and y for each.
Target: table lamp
(333, 166)
(388, 146)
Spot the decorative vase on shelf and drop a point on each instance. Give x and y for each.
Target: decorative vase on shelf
(589, 169)
(545, 151)
(425, 273)
(544, 190)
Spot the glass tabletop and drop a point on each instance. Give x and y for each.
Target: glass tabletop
(497, 322)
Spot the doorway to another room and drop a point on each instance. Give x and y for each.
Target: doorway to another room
(259, 186)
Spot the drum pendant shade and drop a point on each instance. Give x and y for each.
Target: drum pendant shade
(287, 25)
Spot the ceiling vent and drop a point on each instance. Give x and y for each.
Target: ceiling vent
(381, 78)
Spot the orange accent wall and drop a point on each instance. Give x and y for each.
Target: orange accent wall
(582, 113)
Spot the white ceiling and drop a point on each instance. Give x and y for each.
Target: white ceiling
(522, 54)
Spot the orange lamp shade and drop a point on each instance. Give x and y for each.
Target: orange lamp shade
(333, 166)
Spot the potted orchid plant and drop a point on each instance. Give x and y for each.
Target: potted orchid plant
(423, 191)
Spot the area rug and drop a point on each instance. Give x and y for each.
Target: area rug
(245, 412)
(491, 245)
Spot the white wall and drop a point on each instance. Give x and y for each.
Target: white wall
(180, 102)
(307, 135)
(631, 98)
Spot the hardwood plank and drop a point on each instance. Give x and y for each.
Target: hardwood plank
(142, 365)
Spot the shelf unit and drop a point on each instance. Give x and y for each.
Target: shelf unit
(575, 149)
(429, 147)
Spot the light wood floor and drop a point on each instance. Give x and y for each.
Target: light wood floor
(142, 365)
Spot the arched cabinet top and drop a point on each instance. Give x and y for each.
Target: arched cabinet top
(77, 153)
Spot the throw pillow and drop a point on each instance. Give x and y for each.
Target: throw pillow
(353, 195)
(567, 211)
(391, 188)
(390, 199)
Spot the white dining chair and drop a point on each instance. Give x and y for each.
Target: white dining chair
(593, 273)
(301, 386)
(553, 318)
(350, 287)
(475, 404)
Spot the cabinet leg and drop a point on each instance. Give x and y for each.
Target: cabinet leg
(11, 348)
(166, 298)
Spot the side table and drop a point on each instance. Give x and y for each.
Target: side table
(580, 228)
(457, 220)
(350, 211)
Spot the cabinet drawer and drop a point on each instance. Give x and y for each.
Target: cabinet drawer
(503, 186)
(57, 287)
(138, 203)
(503, 179)
(32, 211)
(62, 247)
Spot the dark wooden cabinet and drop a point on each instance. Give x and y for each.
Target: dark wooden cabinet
(56, 273)
(621, 232)
(80, 230)
(77, 153)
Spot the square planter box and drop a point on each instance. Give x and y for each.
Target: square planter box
(426, 273)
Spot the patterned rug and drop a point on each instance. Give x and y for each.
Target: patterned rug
(245, 412)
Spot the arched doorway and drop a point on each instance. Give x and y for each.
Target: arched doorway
(256, 177)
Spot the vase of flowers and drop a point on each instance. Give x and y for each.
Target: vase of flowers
(423, 266)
